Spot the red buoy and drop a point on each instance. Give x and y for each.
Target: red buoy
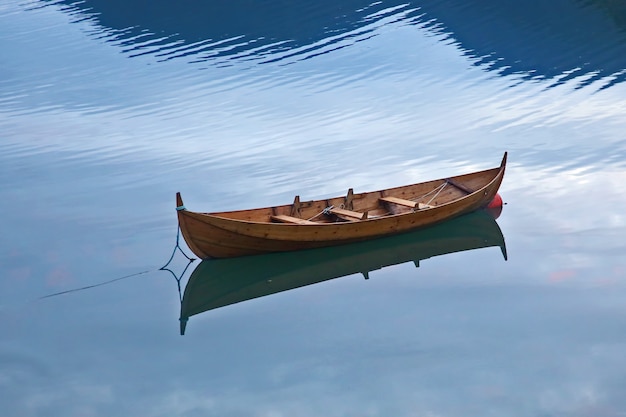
(495, 206)
(496, 202)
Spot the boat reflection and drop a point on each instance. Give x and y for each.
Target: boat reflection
(217, 283)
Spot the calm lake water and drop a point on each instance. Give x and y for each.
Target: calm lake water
(107, 108)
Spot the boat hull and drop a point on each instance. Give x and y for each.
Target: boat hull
(219, 235)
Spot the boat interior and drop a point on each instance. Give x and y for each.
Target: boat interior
(369, 205)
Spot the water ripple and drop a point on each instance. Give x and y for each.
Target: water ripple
(404, 87)
(536, 40)
(228, 31)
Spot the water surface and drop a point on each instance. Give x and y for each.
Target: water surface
(106, 110)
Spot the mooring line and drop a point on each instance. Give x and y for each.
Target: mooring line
(163, 268)
(97, 285)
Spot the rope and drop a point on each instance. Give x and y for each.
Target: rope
(326, 211)
(93, 286)
(163, 268)
(437, 189)
(440, 190)
(175, 248)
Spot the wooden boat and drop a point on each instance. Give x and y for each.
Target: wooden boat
(340, 220)
(218, 283)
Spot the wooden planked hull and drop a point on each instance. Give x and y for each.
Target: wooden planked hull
(220, 282)
(251, 232)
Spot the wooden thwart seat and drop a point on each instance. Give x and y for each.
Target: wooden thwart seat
(283, 218)
(459, 186)
(406, 203)
(348, 213)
